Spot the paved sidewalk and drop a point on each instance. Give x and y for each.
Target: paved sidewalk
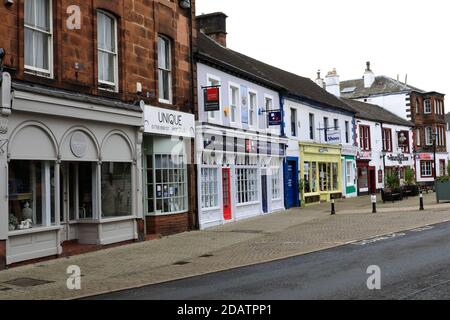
(257, 240)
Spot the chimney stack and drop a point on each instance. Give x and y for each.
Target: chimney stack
(333, 84)
(369, 76)
(319, 80)
(214, 25)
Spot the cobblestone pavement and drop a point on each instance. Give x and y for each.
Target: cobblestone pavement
(290, 233)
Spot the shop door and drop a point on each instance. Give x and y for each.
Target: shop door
(226, 181)
(264, 193)
(291, 183)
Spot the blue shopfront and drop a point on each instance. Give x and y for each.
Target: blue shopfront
(291, 182)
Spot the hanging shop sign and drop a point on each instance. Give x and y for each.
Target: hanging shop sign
(380, 176)
(334, 136)
(274, 118)
(169, 122)
(212, 98)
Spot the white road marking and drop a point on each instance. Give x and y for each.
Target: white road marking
(423, 229)
(377, 239)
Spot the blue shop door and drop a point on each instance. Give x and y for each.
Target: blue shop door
(264, 193)
(291, 183)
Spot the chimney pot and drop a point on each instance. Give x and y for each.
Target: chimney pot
(214, 25)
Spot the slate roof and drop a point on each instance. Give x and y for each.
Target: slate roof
(382, 85)
(296, 86)
(376, 113)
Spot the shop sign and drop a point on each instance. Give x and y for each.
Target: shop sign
(349, 151)
(212, 98)
(333, 136)
(169, 122)
(426, 156)
(274, 118)
(364, 154)
(380, 176)
(400, 158)
(323, 150)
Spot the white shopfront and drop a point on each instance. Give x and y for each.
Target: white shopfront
(71, 172)
(166, 158)
(240, 175)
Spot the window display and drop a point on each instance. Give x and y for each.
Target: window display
(31, 194)
(116, 190)
(210, 188)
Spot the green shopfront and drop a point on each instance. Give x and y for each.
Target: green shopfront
(349, 171)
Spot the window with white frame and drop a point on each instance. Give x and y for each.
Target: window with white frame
(31, 194)
(429, 136)
(166, 184)
(268, 107)
(247, 181)
(234, 103)
(164, 69)
(426, 168)
(210, 188)
(276, 183)
(107, 51)
(38, 45)
(213, 82)
(252, 110)
(427, 106)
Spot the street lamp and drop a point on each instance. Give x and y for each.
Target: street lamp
(434, 138)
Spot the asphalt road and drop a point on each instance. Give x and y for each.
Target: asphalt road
(413, 264)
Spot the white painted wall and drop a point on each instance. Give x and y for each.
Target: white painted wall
(395, 103)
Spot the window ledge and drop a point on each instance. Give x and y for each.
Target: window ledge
(166, 214)
(210, 209)
(247, 204)
(117, 219)
(33, 231)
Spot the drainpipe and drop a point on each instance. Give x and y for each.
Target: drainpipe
(194, 222)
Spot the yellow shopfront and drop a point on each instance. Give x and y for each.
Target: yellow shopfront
(320, 171)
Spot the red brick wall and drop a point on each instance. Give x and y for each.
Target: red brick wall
(167, 225)
(139, 23)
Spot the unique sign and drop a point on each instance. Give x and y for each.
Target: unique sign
(78, 144)
(274, 118)
(212, 99)
(333, 136)
(169, 122)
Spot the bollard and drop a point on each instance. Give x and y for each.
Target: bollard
(421, 201)
(333, 207)
(374, 203)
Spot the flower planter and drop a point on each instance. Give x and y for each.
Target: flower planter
(442, 191)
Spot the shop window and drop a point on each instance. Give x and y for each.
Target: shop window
(167, 184)
(116, 189)
(107, 50)
(210, 188)
(276, 183)
(350, 173)
(335, 175)
(426, 168)
(310, 177)
(31, 194)
(363, 178)
(38, 37)
(85, 191)
(247, 181)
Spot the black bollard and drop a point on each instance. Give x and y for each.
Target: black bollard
(374, 203)
(333, 207)
(421, 201)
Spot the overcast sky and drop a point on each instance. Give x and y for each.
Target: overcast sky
(399, 37)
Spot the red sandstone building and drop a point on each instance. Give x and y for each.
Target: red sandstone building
(103, 102)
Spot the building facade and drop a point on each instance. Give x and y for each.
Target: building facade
(82, 75)
(425, 109)
(239, 153)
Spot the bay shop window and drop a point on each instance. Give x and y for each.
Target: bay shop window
(33, 195)
(320, 177)
(166, 184)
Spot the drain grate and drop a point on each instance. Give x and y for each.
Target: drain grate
(27, 282)
(207, 256)
(181, 263)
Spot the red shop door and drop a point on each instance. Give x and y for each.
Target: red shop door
(226, 178)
